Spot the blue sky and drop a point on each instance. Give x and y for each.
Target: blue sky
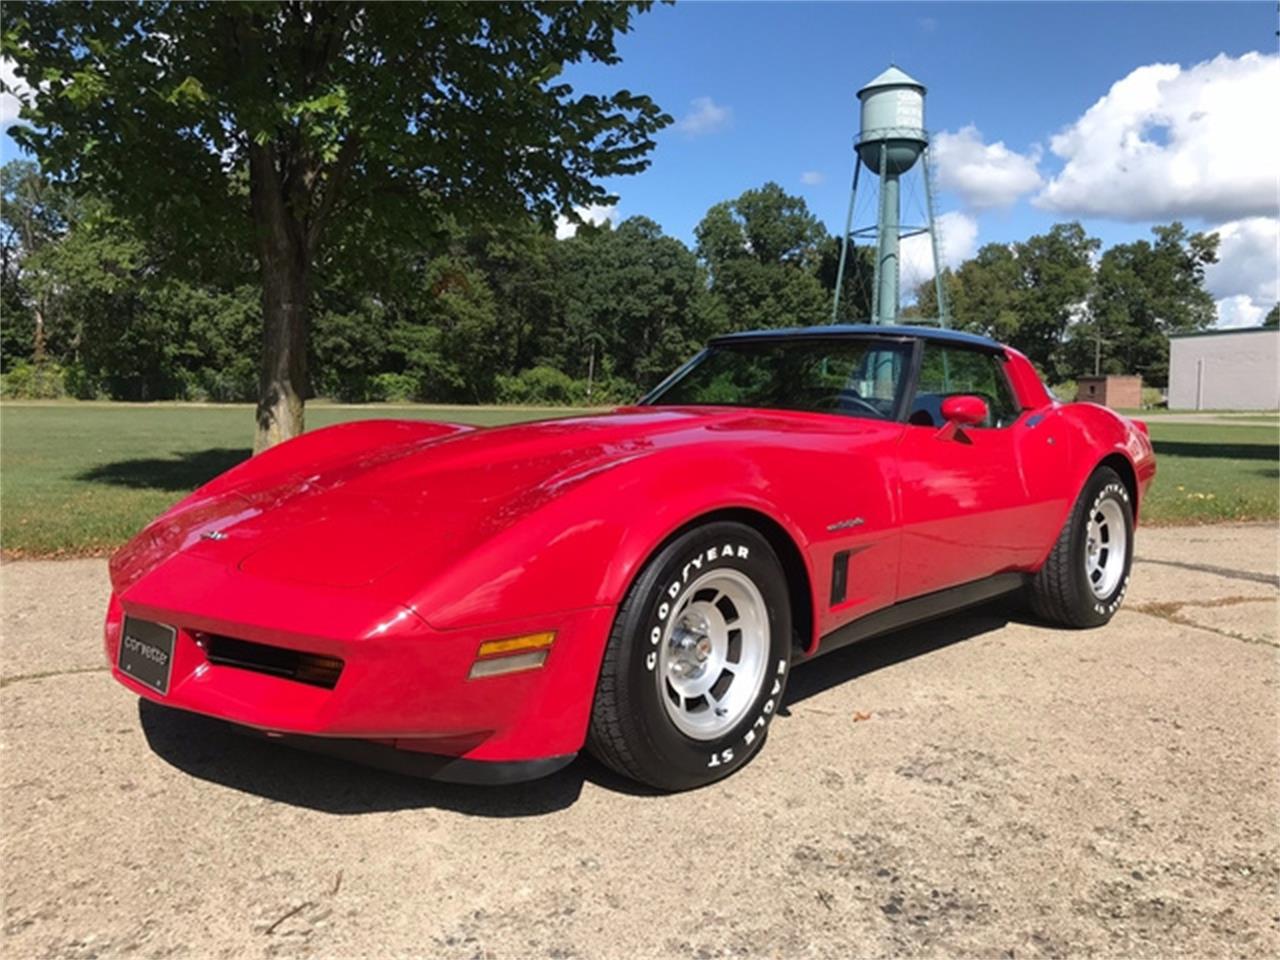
(766, 91)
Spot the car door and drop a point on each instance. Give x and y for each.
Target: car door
(964, 503)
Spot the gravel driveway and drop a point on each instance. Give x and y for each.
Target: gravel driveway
(977, 786)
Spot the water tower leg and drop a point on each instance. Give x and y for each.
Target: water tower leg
(887, 255)
(944, 313)
(844, 241)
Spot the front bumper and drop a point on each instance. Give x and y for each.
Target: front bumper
(403, 686)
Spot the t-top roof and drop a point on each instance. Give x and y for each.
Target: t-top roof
(883, 331)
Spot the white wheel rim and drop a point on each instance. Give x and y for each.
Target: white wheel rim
(1106, 547)
(711, 662)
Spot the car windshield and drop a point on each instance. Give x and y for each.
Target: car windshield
(854, 377)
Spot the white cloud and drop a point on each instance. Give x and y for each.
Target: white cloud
(705, 116)
(957, 242)
(1248, 260)
(1246, 279)
(983, 174)
(1238, 311)
(15, 91)
(598, 214)
(1170, 142)
(812, 178)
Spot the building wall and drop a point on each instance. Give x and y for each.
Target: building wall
(1225, 370)
(1118, 391)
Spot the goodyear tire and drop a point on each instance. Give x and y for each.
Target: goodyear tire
(696, 662)
(1084, 580)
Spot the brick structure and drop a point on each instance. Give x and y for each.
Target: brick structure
(1119, 392)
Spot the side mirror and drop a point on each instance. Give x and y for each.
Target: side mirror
(965, 410)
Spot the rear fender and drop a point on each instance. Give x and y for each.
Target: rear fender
(1097, 433)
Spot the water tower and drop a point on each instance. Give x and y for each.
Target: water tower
(890, 144)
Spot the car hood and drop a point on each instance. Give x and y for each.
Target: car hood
(348, 522)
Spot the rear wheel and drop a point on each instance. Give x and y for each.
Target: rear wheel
(696, 662)
(1083, 581)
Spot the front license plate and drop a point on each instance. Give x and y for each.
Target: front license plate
(146, 652)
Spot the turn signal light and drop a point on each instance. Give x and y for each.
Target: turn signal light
(502, 648)
(496, 657)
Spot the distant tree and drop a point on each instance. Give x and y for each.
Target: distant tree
(290, 127)
(764, 252)
(1272, 318)
(1143, 292)
(32, 216)
(1025, 294)
(635, 304)
(859, 279)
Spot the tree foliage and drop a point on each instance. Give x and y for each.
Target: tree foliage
(309, 132)
(764, 252)
(506, 312)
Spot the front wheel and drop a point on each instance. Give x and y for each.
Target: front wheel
(1084, 580)
(696, 662)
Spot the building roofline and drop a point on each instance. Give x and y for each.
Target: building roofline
(1219, 333)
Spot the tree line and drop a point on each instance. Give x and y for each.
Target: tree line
(280, 200)
(507, 313)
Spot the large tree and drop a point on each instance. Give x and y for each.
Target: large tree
(300, 130)
(764, 252)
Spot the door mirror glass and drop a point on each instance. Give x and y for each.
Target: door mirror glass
(965, 410)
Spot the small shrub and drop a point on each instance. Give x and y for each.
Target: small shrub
(541, 385)
(393, 387)
(1153, 397)
(34, 381)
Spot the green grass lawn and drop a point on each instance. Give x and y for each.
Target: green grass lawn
(80, 478)
(1207, 473)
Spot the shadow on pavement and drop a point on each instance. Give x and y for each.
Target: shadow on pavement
(183, 471)
(830, 670)
(212, 750)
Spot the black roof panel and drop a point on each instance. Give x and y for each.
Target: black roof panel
(936, 334)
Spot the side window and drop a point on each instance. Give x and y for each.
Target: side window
(947, 371)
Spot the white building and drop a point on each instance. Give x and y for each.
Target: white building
(1225, 369)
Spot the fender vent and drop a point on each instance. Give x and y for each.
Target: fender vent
(840, 577)
(308, 668)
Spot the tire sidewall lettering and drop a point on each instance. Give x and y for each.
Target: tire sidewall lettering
(1118, 491)
(666, 610)
(662, 611)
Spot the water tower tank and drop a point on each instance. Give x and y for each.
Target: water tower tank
(892, 121)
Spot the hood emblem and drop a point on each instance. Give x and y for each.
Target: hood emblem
(845, 524)
(213, 535)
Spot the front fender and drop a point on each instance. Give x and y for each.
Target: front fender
(582, 542)
(230, 496)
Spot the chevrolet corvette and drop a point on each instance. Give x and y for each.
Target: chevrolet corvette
(482, 604)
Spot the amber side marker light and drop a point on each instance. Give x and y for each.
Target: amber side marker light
(496, 657)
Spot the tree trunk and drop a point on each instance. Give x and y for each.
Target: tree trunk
(38, 345)
(284, 259)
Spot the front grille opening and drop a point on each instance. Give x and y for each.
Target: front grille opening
(309, 668)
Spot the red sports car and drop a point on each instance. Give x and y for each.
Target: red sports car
(480, 604)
